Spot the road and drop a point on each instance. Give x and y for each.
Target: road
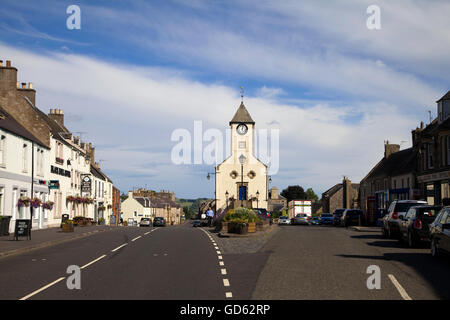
(185, 263)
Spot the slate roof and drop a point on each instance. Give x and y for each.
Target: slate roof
(98, 174)
(445, 97)
(8, 123)
(401, 162)
(242, 115)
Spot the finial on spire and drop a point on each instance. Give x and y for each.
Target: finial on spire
(242, 94)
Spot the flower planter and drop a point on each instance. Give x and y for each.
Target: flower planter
(251, 227)
(67, 227)
(259, 226)
(224, 226)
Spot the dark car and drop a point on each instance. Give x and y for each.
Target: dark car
(392, 219)
(414, 227)
(440, 233)
(352, 217)
(145, 222)
(196, 223)
(315, 220)
(326, 218)
(159, 222)
(337, 214)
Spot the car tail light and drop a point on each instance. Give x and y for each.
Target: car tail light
(418, 224)
(395, 215)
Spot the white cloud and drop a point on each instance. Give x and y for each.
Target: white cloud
(130, 114)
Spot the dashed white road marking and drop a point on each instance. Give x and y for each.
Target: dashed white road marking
(93, 261)
(220, 257)
(136, 238)
(123, 245)
(226, 283)
(42, 289)
(147, 233)
(217, 248)
(221, 263)
(228, 295)
(399, 287)
(223, 271)
(218, 252)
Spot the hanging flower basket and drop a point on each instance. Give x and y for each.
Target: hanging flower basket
(48, 205)
(36, 202)
(23, 202)
(101, 208)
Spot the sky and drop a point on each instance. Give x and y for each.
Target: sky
(138, 70)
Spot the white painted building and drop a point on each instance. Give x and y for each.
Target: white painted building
(134, 208)
(16, 145)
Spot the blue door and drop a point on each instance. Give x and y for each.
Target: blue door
(242, 193)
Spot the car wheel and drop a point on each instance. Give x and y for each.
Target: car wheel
(434, 249)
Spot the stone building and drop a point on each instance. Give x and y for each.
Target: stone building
(393, 177)
(341, 195)
(276, 201)
(432, 145)
(241, 179)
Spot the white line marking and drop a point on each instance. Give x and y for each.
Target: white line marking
(228, 295)
(226, 283)
(223, 271)
(99, 258)
(147, 233)
(399, 287)
(218, 252)
(220, 257)
(217, 248)
(221, 263)
(119, 247)
(136, 238)
(42, 289)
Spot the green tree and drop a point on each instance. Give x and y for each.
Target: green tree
(310, 195)
(294, 193)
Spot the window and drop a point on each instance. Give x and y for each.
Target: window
(1, 200)
(2, 151)
(447, 138)
(241, 144)
(408, 183)
(430, 151)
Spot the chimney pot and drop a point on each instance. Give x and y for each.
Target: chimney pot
(8, 63)
(24, 85)
(1, 63)
(51, 111)
(18, 84)
(30, 85)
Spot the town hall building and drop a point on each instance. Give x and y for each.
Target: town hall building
(241, 179)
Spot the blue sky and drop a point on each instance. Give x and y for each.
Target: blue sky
(137, 70)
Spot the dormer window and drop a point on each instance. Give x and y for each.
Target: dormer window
(444, 107)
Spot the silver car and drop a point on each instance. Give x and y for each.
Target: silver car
(284, 220)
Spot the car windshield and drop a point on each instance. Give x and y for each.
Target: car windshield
(339, 211)
(144, 219)
(284, 217)
(326, 215)
(428, 212)
(404, 207)
(301, 215)
(354, 213)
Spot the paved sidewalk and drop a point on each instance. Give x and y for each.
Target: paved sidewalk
(45, 238)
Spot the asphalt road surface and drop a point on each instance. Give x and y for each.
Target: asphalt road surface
(182, 262)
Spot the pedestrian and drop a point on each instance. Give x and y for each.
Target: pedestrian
(210, 215)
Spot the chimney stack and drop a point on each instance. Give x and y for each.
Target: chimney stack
(57, 115)
(390, 149)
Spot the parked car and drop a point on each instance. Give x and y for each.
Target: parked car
(352, 217)
(414, 227)
(196, 223)
(440, 233)
(145, 222)
(159, 222)
(397, 211)
(315, 221)
(302, 218)
(326, 218)
(337, 214)
(284, 220)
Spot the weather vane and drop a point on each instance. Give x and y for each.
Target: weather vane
(242, 94)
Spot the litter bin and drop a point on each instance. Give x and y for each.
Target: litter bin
(4, 225)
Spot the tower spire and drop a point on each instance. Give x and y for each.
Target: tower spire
(242, 94)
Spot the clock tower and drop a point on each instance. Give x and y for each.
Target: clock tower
(241, 180)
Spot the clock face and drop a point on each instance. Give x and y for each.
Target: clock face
(242, 129)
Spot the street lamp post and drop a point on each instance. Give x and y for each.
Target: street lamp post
(226, 197)
(257, 199)
(215, 186)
